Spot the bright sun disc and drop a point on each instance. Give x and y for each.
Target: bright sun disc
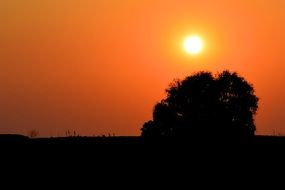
(193, 44)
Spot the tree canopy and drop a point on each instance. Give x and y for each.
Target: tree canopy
(205, 106)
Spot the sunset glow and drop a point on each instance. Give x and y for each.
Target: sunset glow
(99, 67)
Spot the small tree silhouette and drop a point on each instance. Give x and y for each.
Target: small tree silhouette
(205, 106)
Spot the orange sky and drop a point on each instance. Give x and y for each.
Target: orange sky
(99, 67)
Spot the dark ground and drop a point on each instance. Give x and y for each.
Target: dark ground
(11, 139)
(120, 146)
(122, 160)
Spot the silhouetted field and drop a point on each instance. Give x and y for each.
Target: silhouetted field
(10, 139)
(135, 154)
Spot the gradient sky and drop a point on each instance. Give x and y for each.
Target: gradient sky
(99, 66)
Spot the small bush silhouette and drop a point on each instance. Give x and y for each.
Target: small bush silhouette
(203, 106)
(33, 133)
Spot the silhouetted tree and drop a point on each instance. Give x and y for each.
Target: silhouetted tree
(203, 106)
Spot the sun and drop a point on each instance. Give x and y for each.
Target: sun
(193, 44)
